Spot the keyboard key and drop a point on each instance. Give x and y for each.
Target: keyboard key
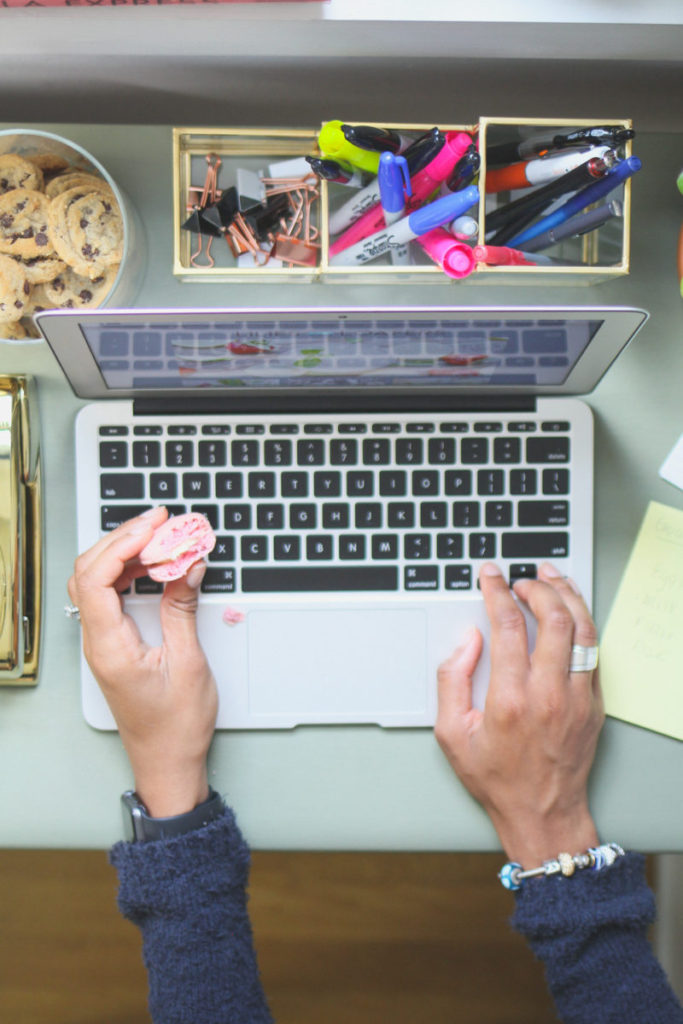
(421, 577)
(113, 431)
(327, 483)
(488, 428)
(343, 452)
(302, 517)
(352, 546)
(250, 428)
(213, 453)
(229, 485)
(522, 571)
(115, 486)
(112, 516)
(196, 485)
(425, 481)
(319, 548)
(179, 453)
(465, 513)
(535, 545)
(522, 427)
(547, 449)
(420, 428)
(310, 453)
(392, 482)
(384, 545)
(254, 549)
(507, 449)
(555, 426)
(409, 451)
(319, 580)
(335, 516)
(237, 517)
(353, 428)
(449, 545)
(458, 577)
(474, 450)
(144, 585)
(113, 454)
(498, 513)
(318, 428)
(386, 428)
(368, 515)
(287, 549)
(483, 545)
(523, 481)
(284, 428)
(278, 453)
(163, 486)
(224, 550)
(376, 452)
(261, 485)
(543, 513)
(181, 430)
(294, 485)
(458, 481)
(244, 453)
(441, 451)
(433, 514)
(556, 481)
(359, 484)
(401, 515)
(490, 481)
(270, 517)
(146, 453)
(218, 581)
(417, 545)
(210, 512)
(216, 429)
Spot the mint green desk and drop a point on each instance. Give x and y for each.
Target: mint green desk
(353, 787)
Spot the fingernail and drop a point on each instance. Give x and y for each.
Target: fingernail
(196, 575)
(573, 585)
(151, 511)
(490, 569)
(550, 570)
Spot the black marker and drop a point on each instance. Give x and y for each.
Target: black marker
(378, 140)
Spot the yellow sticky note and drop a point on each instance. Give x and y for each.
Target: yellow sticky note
(641, 653)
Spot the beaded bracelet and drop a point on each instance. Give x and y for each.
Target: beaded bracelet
(596, 857)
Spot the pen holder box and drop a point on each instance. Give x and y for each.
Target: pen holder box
(590, 258)
(199, 153)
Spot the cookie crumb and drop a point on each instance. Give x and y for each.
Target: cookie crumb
(232, 616)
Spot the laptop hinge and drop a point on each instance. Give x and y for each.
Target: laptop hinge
(317, 403)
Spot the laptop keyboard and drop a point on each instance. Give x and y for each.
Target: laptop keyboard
(394, 504)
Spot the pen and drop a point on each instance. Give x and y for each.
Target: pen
(335, 172)
(578, 225)
(509, 152)
(333, 144)
(380, 140)
(404, 230)
(422, 151)
(516, 216)
(541, 170)
(582, 199)
(391, 178)
(465, 169)
(423, 184)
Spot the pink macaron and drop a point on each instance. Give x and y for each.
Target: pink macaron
(176, 545)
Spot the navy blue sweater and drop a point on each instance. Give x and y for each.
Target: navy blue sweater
(189, 898)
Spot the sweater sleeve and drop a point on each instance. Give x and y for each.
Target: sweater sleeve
(590, 932)
(188, 896)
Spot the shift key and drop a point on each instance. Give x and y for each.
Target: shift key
(535, 545)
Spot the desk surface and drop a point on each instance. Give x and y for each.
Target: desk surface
(353, 787)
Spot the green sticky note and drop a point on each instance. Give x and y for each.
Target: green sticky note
(641, 653)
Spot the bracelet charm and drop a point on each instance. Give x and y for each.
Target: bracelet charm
(512, 875)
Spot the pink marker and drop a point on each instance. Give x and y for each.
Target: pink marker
(423, 184)
(455, 258)
(503, 256)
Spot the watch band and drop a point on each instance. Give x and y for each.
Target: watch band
(140, 827)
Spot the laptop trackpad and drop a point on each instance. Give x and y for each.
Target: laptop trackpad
(354, 663)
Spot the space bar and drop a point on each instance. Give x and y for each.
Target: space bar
(381, 577)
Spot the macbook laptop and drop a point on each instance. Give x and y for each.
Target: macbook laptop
(358, 465)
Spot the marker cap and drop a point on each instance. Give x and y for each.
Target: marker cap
(445, 160)
(455, 258)
(333, 144)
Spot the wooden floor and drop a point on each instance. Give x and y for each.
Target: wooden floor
(361, 938)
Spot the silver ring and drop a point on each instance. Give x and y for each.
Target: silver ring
(583, 659)
(72, 612)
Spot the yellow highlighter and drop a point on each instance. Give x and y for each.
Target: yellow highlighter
(333, 145)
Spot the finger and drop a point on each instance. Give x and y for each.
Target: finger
(95, 580)
(454, 675)
(155, 515)
(179, 612)
(555, 629)
(509, 641)
(585, 631)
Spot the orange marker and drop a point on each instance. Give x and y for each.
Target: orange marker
(540, 171)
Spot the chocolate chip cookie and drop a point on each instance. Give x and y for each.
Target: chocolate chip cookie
(16, 172)
(70, 290)
(24, 224)
(86, 230)
(14, 290)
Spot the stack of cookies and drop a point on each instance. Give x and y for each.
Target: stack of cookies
(61, 239)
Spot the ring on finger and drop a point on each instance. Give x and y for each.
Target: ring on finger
(583, 659)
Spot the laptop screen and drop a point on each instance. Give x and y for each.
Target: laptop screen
(347, 352)
(330, 351)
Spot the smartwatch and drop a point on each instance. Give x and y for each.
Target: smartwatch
(140, 827)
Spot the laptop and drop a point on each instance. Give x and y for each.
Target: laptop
(357, 464)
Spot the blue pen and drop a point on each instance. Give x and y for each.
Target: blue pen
(580, 201)
(392, 177)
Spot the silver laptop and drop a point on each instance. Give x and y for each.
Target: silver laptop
(358, 466)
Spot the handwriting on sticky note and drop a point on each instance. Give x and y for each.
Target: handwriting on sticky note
(641, 654)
